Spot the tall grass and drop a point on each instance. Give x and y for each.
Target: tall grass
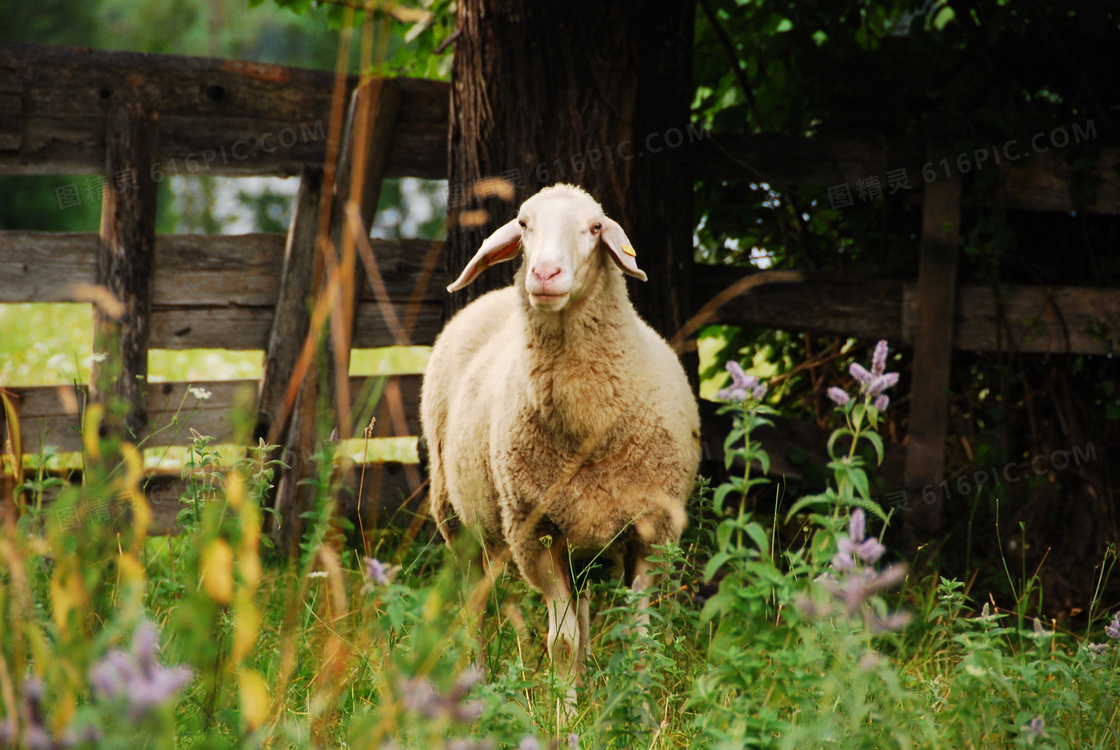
(112, 639)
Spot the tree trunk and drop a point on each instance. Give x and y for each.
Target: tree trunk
(594, 94)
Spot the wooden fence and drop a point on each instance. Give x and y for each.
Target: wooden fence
(68, 111)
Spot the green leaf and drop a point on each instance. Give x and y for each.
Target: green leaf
(715, 564)
(758, 535)
(721, 493)
(807, 501)
(858, 478)
(836, 435)
(877, 442)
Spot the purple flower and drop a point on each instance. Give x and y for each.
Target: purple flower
(876, 381)
(891, 623)
(739, 378)
(839, 396)
(419, 694)
(379, 572)
(529, 742)
(857, 525)
(1035, 729)
(843, 561)
(862, 376)
(1098, 648)
(882, 383)
(742, 385)
(879, 358)
(734, 395)
(882, 401)
(1112, 630)
(136, 675)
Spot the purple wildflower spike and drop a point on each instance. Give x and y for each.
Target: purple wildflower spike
(739, 378)
(857, 526)
(379, 572)
(861, 375)
(870, 550)
(882, 383)
(882, 401)
(1112, 630)
(732, 394)
(136, 675)
(839, 396)
(1035, 729)
(759, 391)
(879, 359)
(891, 623)
(842, 562)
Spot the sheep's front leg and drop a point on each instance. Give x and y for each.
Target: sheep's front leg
(564, 637)
(641, 582)
(563, 618)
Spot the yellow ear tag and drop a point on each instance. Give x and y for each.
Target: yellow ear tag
(629, 250)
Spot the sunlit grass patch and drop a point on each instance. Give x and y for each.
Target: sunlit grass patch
(45, 344)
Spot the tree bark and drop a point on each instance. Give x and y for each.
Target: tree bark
(593, 94)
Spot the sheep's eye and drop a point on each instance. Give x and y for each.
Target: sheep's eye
(522, 223)
(596, 228)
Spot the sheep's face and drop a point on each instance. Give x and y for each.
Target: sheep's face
(560, 234)
(562, 230)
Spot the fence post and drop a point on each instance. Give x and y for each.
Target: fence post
(125, 265)
(933, 351)
(368, 134)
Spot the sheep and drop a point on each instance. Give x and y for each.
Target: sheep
(558, 423)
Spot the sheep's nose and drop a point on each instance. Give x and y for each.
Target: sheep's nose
(546, 271)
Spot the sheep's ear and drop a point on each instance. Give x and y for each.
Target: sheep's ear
(622, 252)
(503, 245)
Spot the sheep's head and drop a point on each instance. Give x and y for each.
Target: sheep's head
(561, 229)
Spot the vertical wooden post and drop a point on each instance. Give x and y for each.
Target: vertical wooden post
(124, 266)
(933, 350)
(293, 314)
(367, 136)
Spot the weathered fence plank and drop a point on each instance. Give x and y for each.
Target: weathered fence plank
(1039, 183)
(1077, 320)
(218, 117)
(218, 291)
(125, 261)
(49, 415)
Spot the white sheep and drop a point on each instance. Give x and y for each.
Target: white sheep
(558, 423)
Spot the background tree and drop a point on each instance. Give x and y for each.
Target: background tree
(568, 92)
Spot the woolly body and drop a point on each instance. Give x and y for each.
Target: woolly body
(572, 420)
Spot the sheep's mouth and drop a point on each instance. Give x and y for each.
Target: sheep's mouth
(548, 302)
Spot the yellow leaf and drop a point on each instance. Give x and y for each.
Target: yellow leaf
(217, 571)
(64, 707)
(254, 698)
(68, 592)
(235, 489)
(246, 625)
(132, 572)
(91, 439)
